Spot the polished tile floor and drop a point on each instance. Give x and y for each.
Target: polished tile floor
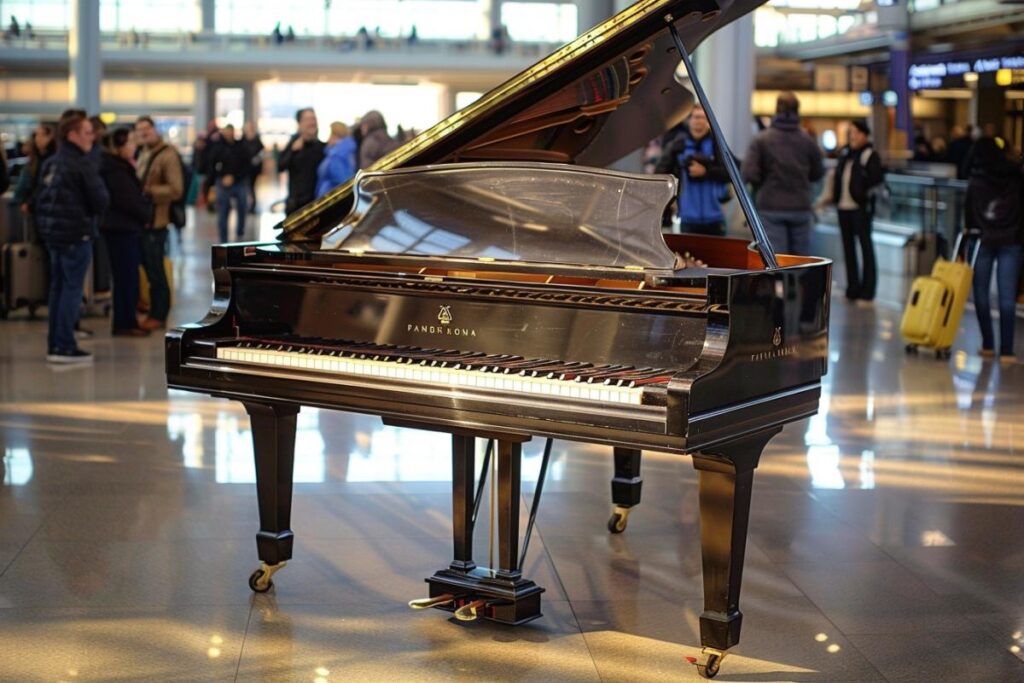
(886, 544)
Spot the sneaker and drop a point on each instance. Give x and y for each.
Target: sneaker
(1008, 359)
(988, 354)
(83, 333)
(73, 356)
(152, 324)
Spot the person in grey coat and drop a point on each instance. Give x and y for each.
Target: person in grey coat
(781, 164)
(375, 139)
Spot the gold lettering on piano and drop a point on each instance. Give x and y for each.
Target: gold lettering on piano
(780, 352)
(446, 330)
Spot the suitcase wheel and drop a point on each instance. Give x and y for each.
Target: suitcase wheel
(943, 354)
(911, 349)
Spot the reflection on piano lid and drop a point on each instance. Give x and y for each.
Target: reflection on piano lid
(514, 212)
(592, 102)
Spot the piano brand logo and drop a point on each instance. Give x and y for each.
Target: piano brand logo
(777, 337)
(445, 317)
(778, 351)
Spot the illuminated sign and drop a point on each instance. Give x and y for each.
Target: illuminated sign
(931, 75)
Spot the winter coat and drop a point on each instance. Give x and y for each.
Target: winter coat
(993, 205)
(159, 170)
(70, 197)
(781, 164)
(230, 159)
(376, 141)
(700, 199)
(301, 167)
(337, 167)
(865, 175)
(130, 209)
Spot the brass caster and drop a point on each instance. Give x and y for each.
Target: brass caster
(710, 662)
(259, 580)
(427, 603)
(619, 519)
(468, 612)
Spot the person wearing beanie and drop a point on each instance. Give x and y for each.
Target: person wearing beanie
(857, 174)
(781, 164)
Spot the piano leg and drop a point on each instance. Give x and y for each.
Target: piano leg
(273, 437)
(463, 501)
(626, 486)
(726, 476)
(473, 592)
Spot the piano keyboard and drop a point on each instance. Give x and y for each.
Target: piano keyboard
(454, 369)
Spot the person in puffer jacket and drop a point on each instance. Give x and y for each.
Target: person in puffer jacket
(71, 197)
(339, 164)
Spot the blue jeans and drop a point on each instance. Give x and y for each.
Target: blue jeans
(240, 193)
(68, 266)
(1007, 264)
(789, 231)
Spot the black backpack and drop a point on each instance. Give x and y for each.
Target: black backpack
(996, 208)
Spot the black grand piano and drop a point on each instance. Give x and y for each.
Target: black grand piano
(492, 279)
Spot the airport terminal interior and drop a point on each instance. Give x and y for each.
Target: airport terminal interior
(405, 311)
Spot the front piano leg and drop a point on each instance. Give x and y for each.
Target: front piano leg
(626, 487)
(726, 477)
(273, 438)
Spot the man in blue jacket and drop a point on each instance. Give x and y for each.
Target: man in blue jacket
(71, 198)
(695, 159)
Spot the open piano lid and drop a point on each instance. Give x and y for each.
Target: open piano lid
(592, 102)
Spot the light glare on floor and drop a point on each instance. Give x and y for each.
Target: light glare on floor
(322, 671)
(833, 648)
(821, 637)
(217, 640)
(213, 652)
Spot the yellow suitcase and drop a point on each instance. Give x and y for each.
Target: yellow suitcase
(936, 304)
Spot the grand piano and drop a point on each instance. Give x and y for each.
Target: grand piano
(493, 279)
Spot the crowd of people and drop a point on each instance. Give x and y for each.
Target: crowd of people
(86, 188)
(784, 168)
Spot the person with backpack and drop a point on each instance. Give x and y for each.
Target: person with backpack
(992, 207)
(159, 170)
(858, 172)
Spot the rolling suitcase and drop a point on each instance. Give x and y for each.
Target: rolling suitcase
(936, 304)
(26, 277)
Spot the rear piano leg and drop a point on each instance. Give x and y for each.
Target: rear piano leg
(472, 592)
(726, 477)
(273, 438)
(626, 486)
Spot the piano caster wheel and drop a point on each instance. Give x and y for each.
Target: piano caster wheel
(259, 580)
(710, 662)
(619, 519)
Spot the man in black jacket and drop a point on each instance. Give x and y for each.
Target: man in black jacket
(859, 171)
(781, 164)
(230, 165)
(300, 159)
(71, 198)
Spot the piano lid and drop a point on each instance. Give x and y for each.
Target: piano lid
(512, 212)
(592, 102)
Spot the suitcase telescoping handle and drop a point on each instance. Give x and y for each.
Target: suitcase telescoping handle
(961, 240)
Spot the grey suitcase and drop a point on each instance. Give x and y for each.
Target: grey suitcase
(26, 277)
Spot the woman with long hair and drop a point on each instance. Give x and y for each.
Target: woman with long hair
(44, 145)
(122, 225)
(993, 207)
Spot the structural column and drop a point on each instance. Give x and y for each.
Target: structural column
(207, 11)
(85, 70)
(590, 13)
(725, 67)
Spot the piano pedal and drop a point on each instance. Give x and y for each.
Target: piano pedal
(620, 517)
(470, 611)
(427, 603)
(259, 580)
